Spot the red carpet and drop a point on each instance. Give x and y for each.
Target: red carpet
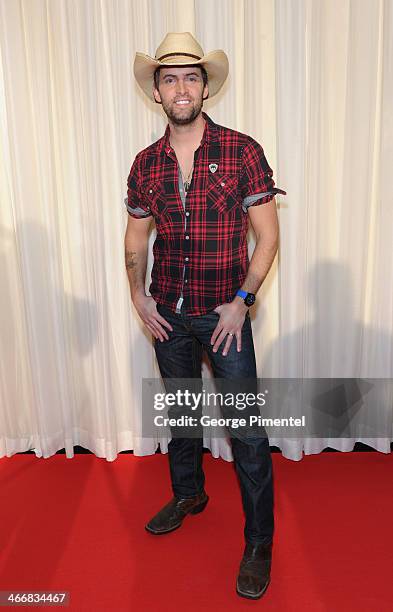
(78, 525)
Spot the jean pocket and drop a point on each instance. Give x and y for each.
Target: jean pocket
(164, 309)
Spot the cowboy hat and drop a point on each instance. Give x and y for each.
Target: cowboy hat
(180, 49)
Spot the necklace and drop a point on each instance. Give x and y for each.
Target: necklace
(187, 182)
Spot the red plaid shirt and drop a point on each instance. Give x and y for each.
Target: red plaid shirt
(200, 252)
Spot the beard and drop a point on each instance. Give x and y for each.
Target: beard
(182, 115)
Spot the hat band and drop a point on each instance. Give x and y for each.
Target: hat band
(178, 53)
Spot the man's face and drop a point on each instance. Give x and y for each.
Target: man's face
(181, 93)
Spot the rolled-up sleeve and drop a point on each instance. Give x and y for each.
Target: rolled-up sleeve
(134, 200)
(256, 178)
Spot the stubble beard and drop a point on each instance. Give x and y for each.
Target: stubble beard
(183, 118)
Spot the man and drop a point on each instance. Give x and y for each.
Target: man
(200, 182)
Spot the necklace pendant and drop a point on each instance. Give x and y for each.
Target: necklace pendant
(186, 186)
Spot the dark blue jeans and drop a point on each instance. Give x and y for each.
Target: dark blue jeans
(181, 357)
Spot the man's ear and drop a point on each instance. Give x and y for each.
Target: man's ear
(156, 96)
(205, 93)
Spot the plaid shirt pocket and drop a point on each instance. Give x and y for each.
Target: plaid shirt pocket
(154, 197)
(222, 192)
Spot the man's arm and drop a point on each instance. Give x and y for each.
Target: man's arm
(264, 221)
(136, 242)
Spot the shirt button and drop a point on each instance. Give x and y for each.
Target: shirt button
(222, 184)
(187, 237)
(150, 190)
(186, 281)
(187, 258)
(187, 214)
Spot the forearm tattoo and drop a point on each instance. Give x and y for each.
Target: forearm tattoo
(130, 260)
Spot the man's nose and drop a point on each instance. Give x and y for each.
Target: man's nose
(181, 86)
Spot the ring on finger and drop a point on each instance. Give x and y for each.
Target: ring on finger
(230, 334)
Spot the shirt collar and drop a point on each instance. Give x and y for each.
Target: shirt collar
(210, 134)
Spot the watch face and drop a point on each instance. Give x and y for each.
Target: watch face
(249, 299)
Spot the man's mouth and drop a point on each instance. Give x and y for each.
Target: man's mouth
(183, 102)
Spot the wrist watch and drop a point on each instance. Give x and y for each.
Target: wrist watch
(249, 298)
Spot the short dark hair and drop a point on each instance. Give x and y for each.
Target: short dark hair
(157, 75)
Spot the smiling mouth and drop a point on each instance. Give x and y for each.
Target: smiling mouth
(183, 102)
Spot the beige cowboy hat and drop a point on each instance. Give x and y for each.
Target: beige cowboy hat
(179, 49)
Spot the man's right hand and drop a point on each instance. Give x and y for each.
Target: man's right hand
(147, 309)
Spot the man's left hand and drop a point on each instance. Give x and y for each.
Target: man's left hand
(230, 325)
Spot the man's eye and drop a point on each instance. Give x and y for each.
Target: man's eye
(170, 79)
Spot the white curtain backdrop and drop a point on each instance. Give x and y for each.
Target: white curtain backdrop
(311, 80)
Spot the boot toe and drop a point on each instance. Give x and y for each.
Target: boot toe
(171, 516)
(248, 586)
(254, 572)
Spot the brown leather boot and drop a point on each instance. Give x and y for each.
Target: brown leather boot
(254, 572)
(171, 516)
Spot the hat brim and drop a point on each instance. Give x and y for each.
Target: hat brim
(215, 63)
